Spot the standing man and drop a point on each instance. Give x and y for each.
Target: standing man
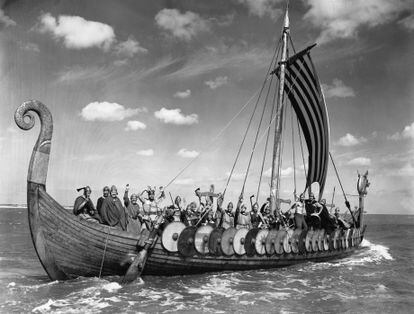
(133, 212)
(113, 213)
(101, 199)
(300, 212)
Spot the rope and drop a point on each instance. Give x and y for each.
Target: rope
(104, 253)
(342, 188)
(214, 139)
(293, 152)
(266, 145)
(251, 119)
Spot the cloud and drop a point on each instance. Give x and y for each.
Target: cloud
(217, 82)
(360, 161)
(76, 32)
(184, 94)
(174, 116)
(406, 170)
(343, 18)
(350, 140)
(183, 26)
(261, 8)
(93, 157)
(337, 89)
(135, 125)
(187, 153)
(408, 22)
(5, 20)
(106, 111)
(28, 46)
(146, 152)
(407, 132)
(78, 73)
(129, 48)
(236, 176)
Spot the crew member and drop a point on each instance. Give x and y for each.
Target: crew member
(227, 216)
(300, 212)
(84, 206)
(242, 216)
(105, 194)
(133, 212)
(113, 213)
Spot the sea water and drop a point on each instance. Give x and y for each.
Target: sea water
(378, 278)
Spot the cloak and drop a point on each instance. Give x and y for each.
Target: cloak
(113, 213)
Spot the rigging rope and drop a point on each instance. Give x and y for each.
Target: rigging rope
(251, 118)
(266, 145)
(293, 152)
(342, 188)
(213, 140)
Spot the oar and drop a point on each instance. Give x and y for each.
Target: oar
(137, 266)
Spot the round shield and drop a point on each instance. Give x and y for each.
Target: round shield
(238, 241)
(201, 238)
(214, 243)
(260, 243)
(294, 241)
(279, 241)
(144, 235)
(302, 241)
(308, 240)
(270, 241)
(326, 242)
(321, 237)
(249, 241)
(169, 238)
(227, 241)
(287, 241)
(315, 238)
(186, 241)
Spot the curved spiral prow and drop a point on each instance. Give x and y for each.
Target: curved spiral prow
(25, 120)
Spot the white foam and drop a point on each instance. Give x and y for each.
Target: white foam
(44, 307)
(380, 251)
(112, 287)
(11, 284)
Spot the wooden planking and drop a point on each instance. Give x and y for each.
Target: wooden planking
(77, 247)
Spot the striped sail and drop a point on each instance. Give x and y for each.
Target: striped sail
(303, 89)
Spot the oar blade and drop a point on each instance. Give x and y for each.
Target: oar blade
(135, 269)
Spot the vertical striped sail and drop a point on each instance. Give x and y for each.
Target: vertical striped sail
(303, 89)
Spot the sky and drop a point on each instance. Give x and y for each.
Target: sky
(137, 89)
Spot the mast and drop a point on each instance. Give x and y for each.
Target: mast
(274, 193)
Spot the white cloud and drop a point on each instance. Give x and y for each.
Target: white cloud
(184, 94)
(236, 176)
(11, 129)
(350, 140)
(263, 7)
(129, 48)
(5, 20)
(337, 89)
(146, 152)
(174, 116)
(181, 25)
(343, 18)
(135, 125)
(187, 153)
(217, 82)
(78, 73)
(76, 32)
(407, 132)
(360, 161)
(28, 46)
(406, 170)
(408, 22)
(106, 111)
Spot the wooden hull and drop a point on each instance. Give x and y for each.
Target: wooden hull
(69, 247)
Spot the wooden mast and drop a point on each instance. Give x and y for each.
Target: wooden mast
(274, 194)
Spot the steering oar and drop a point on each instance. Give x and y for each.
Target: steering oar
(137, 266)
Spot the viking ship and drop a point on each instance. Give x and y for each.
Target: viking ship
(68, 246)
